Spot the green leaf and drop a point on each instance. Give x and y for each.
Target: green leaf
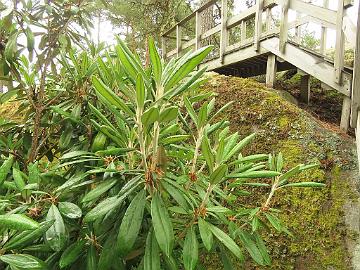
(131, 224)
(140, 91)
(99, 190)
(169, 114)
(305, 184)
(155, 61)
(274, 221)
(255, 174)
(152, 253)
(202, 117)
(71, 253)
(173, 139)
(34, 174)
(23, 261)
(150, 116)
(110, 96)
(227, 241)
(27, 237)
(18, 179)
(185, 65)
(5, 168)
(10, 48)
(103, 208)
(239, 146)
(18, 222)
(190, 110)
(251, 247)
(56, 235)
(162, 224)
(74, 154)
(70, 210)
(205, 233)
(91, 258)
(207, 153)
(190, 250)
(262, 248)
(218, 175)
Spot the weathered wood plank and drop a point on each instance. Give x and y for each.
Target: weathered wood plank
(323, 31)
(284, 26)
(305, 88)
(345, 114)
(258, 23)
(197, 30)
(178, 40)
(224, 33)
(271, 71)
(211, 31)
(355, 93)
(340, 41)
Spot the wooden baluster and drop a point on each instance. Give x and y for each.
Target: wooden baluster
(224, 33)
(163, 47)
(323, 32)
(339, 46)
(284, 25)
(197, 30)
(258, 23)
(243, 32)
(178, 40)
(268, 20)
(297, 29)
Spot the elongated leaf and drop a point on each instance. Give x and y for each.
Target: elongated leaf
(91, 258)
(305, 184)
(169, 114)
(71, 253)
(262, 248)
(56, 235)
(207, 153)
(70, 210)
(5, 168)
(103, 208)
(173, 139)
(218, 175)
(255, 174)
(152, 253)
(239, 146)
(155, 61)
(162, 225)
(150, 116)
(190, 110)
(34, 174)
(251, 247)
(190, 250)
(202, 117)
(227, 241)
(110, 96)
(274, 221)
(18, 222)
(18, 179)
(140, 91)
(99, 190)
(27, 237)
(131, 224)
(74, 154)
(23, 261)
(185, 66)
(206, 234)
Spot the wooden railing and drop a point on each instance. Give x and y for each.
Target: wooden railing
(306, 13)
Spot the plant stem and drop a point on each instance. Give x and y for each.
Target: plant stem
(272, 192)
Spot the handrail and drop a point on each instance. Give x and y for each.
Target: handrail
(189, 17)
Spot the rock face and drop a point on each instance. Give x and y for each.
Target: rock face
(324, 222)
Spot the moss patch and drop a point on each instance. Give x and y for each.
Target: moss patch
(314, 216)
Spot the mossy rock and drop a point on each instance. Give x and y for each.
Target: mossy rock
(315, 217)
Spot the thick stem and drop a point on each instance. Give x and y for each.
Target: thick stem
(197, 150)
(272, 192)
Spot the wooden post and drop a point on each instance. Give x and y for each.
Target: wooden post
(355, 88)
(163, 47)
(178, 40)
(197, 30)
(284, 26)
(243, 31)
(339, 46)
(323, 32)
(305, 88)
(271, 68)
(357, 134)
(345, 114)
(223, 33)
(258, 23)
(297, 30)
(268, 20)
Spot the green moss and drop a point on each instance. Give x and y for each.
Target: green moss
(314, 216)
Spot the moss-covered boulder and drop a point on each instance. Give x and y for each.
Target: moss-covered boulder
(316, 217)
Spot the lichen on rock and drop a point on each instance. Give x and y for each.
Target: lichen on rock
(316, 217)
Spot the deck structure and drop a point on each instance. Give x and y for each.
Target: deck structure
(267, 37)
